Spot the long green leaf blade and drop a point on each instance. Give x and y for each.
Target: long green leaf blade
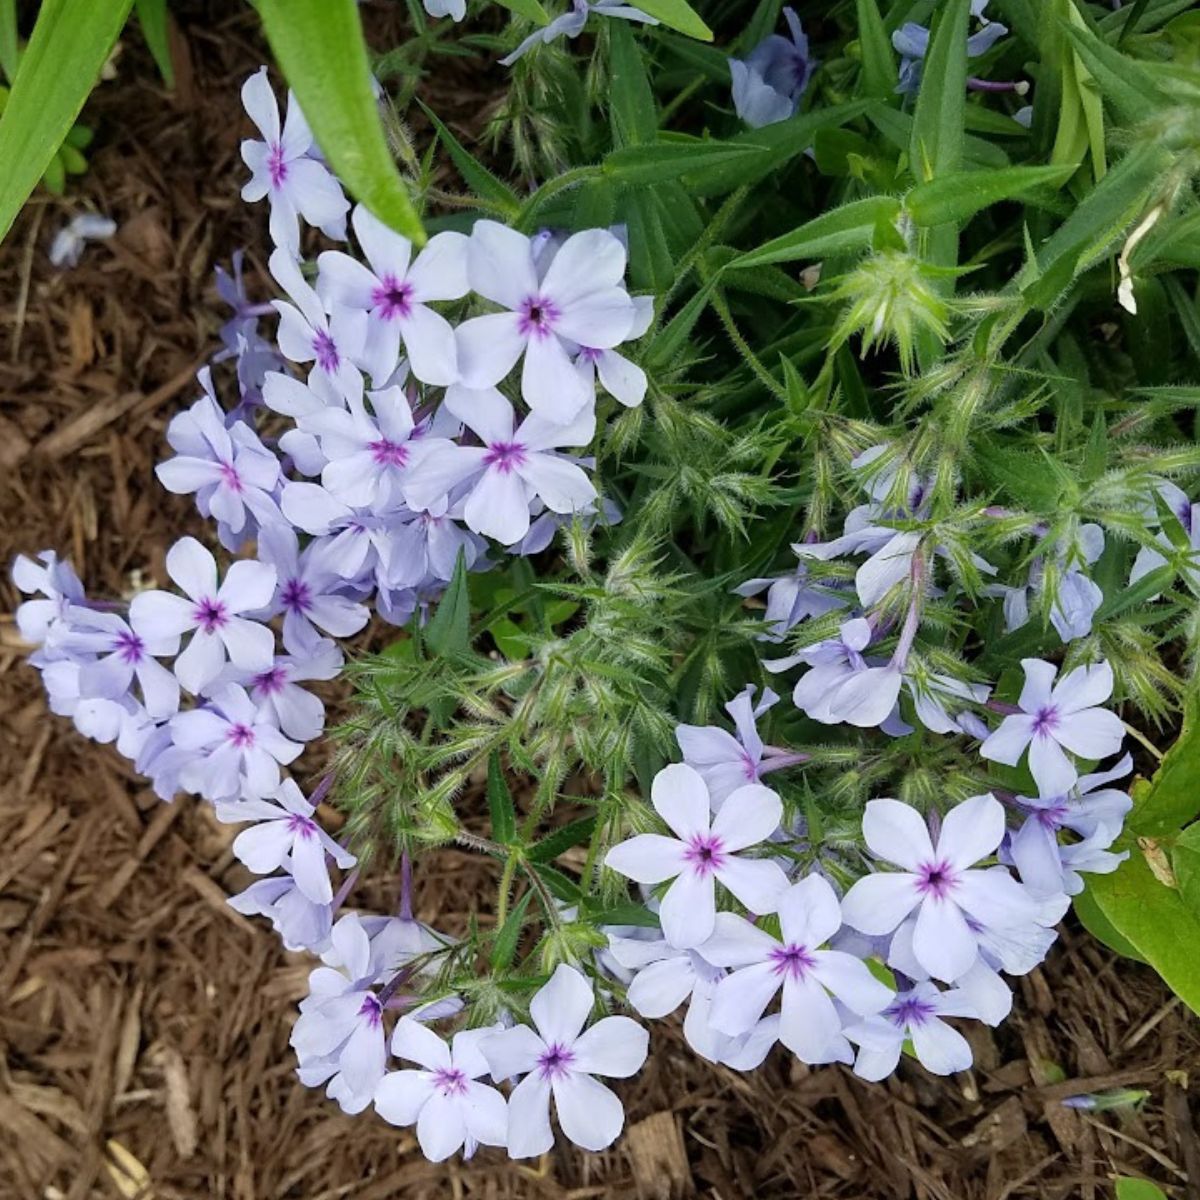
(70, 43)
(678, 15)
(964, 193)
(320, 49)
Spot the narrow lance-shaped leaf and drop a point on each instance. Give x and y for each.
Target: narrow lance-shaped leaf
(320, 48)
(500, 803)
(531, 10)
(878, 62)
(960, 195)
(449, 629)
(490, 191)
(850, 227)
(154, 21)
(70, 43)
(679, 15)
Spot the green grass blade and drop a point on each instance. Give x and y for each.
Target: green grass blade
(678, 15)
(9, 47)
(319, 46)
(152, 17)
(70, 43)
(879, 75)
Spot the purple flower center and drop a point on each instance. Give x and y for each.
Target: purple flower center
(388, 453)
(749, 767)
(129, 647)
(937, 879)
(451, 1081)
(296, 596)
(538, 316)
(241, 736)
(1053, 816)
(589, 354)
(277, 167)
(371, 1010)
(304, 828)
(556, 1062)
(392, 298)
(1045, 721)
(326, 351)
(210, 614)
(705, 853)
(505, 456)
(793, 961)
(270, 682)
(909, 1010)
(230, 478)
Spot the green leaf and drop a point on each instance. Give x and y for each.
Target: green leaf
(897, 128)
(651, 264)
(507, 939)
(678, 15)
(554, 844)
(670, 339)
(634, 115)
(661, 161)
(879, 75)
(1138, 1189)
(962, 194)
(71, 42)
(850, 227)
(1156, 921)
(1168, 801)
(531, 10)
(1185, 862)
(1123, 81)
(500, 803)
(152, 17)
(319, 46)
(624, 914)
(449, 629)
(1101, 928)
(1081, 115)
(9, 45)
(488, 190)
(936, 148)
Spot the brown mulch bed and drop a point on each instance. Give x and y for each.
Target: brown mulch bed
(144, 1024)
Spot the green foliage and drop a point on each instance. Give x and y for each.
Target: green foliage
(1138, 1189)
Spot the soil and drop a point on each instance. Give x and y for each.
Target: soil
(144, 1024)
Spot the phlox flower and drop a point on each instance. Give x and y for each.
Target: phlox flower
(1188, 515)
(510, 469)
(791, 598)
(451, 1109)
(560, 1059)
(339, 1036)
(281, 168)
(300, 923)
(120, 657)
(68, 244)
(952, 898)
(305, 592)
(1055, 717)
(333, 343)
(768, 85)
(912, 44)
(727, 762)
(395, 290)
(286, 835)
(229, 470)
(579, 301)
(212, 614)
(298, 713)
(55, 587)
(663, 979)
(352, 544)
(370, 456)
(238, 747)
(571, 23)
(702, 852)
(810, 977)
(914, 1015)
(932, 694)
(426, 547)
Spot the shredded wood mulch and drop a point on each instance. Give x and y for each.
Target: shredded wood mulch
(144, 1024)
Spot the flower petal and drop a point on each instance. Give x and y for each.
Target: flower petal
(942, 941)
(680, 797)
(589, 1113)
(529, 1132)
(896, 833)
(877, 903)
(614, 1046)
(748, 816)
(688, 909)
(647, 858)
(561, 1007)
(757, 882)
(971, 831)
(809, 912)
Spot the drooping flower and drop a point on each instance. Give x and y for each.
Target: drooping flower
(451, 1109)
(703, 851)
(286, 835)
(242, 748)
(571, 23)
(339, 1036)
(1056, 717)
(952, 898)
(395, 290)
(561, 1059)
(579, 301)
(727, 762)
(300, 923)
(914, 1015)
(768, 85)
(281, 168)
(54, 586)
(912, 44)
(811, 977)
(510, 469)
(211, 613)
(791, 598)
